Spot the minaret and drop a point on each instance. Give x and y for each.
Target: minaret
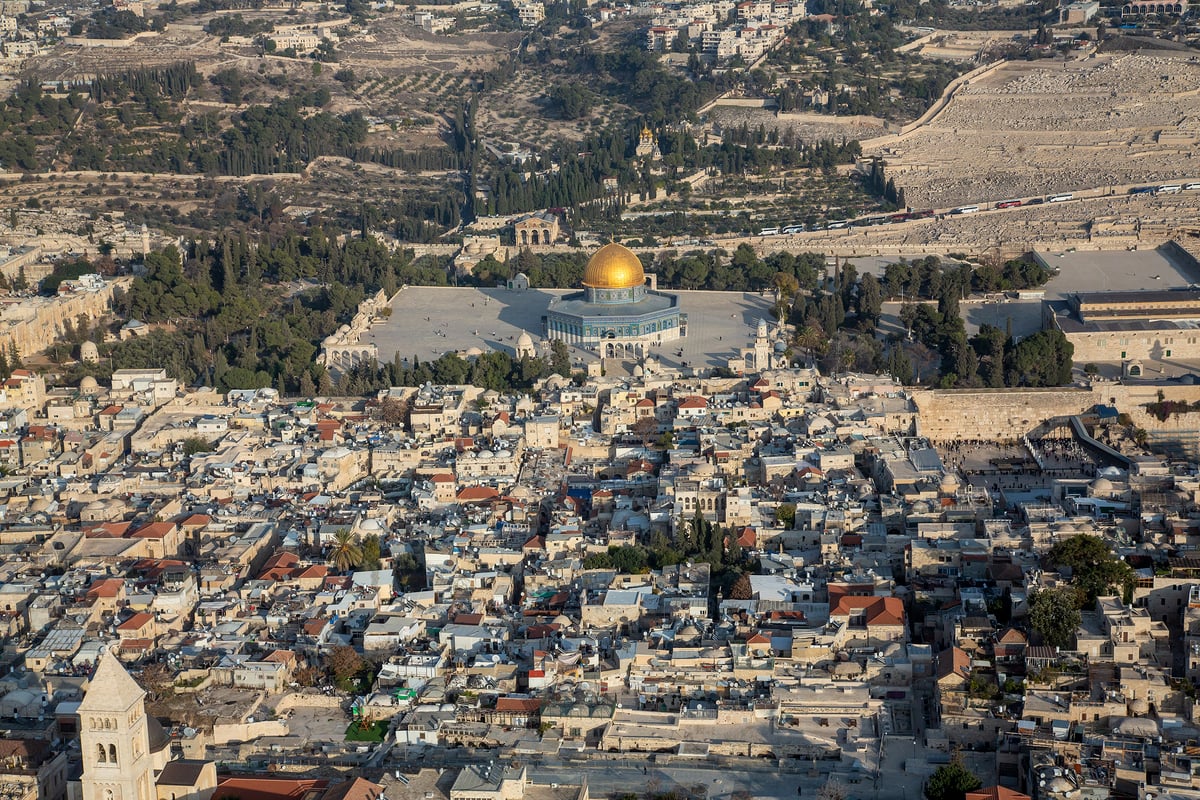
(762, 347)
(114, 736)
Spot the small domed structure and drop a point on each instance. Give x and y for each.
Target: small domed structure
(89, 353)
(525, 348)
(88, 384)
(1102, 487)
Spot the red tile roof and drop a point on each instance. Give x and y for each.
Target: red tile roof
(155, 530)
(107, 530)
(879, 610)
(109, 587)
(996, 793)
(135, 622)
(954, 661)
(268, 789)
(527, 704)
(476, 494)
(136, 645)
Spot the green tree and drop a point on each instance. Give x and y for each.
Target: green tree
(869, 300)
(1044, 358)
(786, 514)
(1095, 570)
(741, 588)
(345, 664)
(196, 444)
(951, 782)
(1054, 613)
(371, 552)
(345, 552)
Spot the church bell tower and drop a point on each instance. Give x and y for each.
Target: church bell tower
(114, 736)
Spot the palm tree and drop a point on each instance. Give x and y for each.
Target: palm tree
(811, 339)
(345, 552)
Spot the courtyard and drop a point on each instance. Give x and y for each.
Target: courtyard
(429, 321)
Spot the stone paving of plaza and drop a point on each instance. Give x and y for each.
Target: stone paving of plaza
(428, 321)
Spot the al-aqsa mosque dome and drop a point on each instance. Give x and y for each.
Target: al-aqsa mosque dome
(614, 267)
(617, 315)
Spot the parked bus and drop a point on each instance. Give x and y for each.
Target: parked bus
(965, 210)
(1009, 203)
(1060, 198)
(1169, 188)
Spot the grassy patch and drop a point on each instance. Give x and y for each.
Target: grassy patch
(371, 733)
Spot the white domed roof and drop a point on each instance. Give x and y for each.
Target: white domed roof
(1102, 485)
(524, 340)
(88, 384)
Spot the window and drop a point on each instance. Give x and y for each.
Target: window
(1168, 353)
(112, 753)
(100, 757)
(1122, 354)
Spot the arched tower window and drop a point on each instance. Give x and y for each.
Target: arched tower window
(100, 757)
(109, 794)
(112, 753)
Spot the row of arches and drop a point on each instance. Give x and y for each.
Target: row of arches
(531, 236)
(623, 350)
(106, 758)
(1132, 9)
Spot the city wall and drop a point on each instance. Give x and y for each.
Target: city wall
(1008, 414)
(34, 323)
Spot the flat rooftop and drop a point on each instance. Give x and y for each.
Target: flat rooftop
(1171, 295)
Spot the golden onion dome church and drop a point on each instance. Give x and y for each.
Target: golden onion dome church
(619, 313)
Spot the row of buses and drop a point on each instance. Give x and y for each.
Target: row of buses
(1033, 201)
(865, 222)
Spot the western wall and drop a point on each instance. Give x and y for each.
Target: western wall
(1008, 414)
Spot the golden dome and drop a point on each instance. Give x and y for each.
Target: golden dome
(613, 267)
